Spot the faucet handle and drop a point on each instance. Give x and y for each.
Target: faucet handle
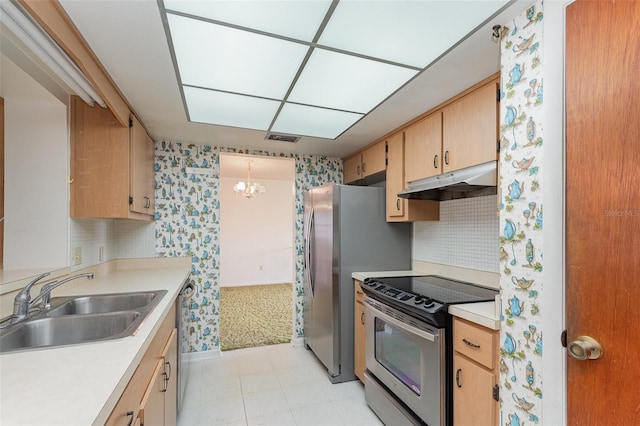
(25, 293)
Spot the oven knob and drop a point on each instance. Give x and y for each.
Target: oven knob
(429, 302)
(417, 300)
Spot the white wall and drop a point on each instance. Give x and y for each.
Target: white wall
(36, 170)
(256, 235)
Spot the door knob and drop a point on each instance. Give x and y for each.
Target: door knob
(584, 348)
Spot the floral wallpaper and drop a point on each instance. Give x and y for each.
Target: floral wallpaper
(521, 223)
(188, 224)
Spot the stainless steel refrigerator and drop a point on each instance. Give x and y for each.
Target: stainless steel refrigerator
(345, 231)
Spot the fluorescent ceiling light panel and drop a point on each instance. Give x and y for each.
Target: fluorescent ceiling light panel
(227, 109)
(223, 58)
(407, 32)
(295, 19)
(311, 121)
(338, 81)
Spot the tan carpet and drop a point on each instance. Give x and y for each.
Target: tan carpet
(255, 315)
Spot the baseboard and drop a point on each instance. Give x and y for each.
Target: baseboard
(200, 356)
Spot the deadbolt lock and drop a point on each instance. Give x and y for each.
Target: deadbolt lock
(585, 348)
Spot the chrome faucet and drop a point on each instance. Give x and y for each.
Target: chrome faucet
(23, 302)
(45, 291)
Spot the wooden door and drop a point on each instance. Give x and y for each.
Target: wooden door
(470, 129)
(395, 177)
(423, 148)
(603, 208)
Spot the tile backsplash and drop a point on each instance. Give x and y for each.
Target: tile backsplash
(466, 235)
(119, 238)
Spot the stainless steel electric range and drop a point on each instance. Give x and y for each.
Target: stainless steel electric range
(409, 355)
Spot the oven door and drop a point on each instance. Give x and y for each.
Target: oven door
(407, 356)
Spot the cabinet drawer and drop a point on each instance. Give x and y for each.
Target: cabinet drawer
(359, 294)
(475, 342)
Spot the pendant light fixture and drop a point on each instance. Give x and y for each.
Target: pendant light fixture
(248, 189)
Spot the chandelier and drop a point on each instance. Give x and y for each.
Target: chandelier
(248, 189)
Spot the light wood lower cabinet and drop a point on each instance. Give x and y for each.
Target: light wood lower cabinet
(159, 403)
(475, 360)
(132, 404)
(359, 345)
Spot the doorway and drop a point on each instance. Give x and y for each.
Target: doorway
(257, 251)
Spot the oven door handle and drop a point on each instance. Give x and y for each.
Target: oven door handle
(432, 337)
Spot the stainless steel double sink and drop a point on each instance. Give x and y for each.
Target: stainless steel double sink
(81, 319)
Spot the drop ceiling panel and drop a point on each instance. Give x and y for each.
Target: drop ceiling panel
(295, 19)
(311, 121)
(227, 109)
(228, 59)
(408, 32)
(344, 82)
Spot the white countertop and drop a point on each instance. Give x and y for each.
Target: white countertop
(80, 385)
(486, 314)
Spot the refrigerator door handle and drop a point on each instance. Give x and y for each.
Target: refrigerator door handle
(308, 241)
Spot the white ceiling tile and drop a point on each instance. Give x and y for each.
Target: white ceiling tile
(223, 58)
(226, 109)
(311, 121)
(296, 19)
(345, 82)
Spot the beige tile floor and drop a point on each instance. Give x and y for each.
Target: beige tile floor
(270, 385)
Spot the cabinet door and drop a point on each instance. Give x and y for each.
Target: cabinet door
(152, 405)
(395, 176)
(470, 129)
(374, 159)
(359, 345)
(170, 356)
(423, 148)
(99, 163)
(142, 174)
(352, 168)
(473, 402)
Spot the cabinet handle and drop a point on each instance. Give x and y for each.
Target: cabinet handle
(435, 161)
(168, 364)
(147, 202)
(359, 292)
(363, 168)
(358, 170)
(130, 413)
(458, 377)
(473, 345)
(362, 318)
(446, 157)
(397, 203)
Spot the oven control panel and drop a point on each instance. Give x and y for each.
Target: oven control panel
(411, 301)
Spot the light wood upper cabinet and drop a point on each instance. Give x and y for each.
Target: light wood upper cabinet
(470, 129)
(461, 134)
(401, 209)
(142, 173)
(111, 166)
(365, 163)
(423, 148)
